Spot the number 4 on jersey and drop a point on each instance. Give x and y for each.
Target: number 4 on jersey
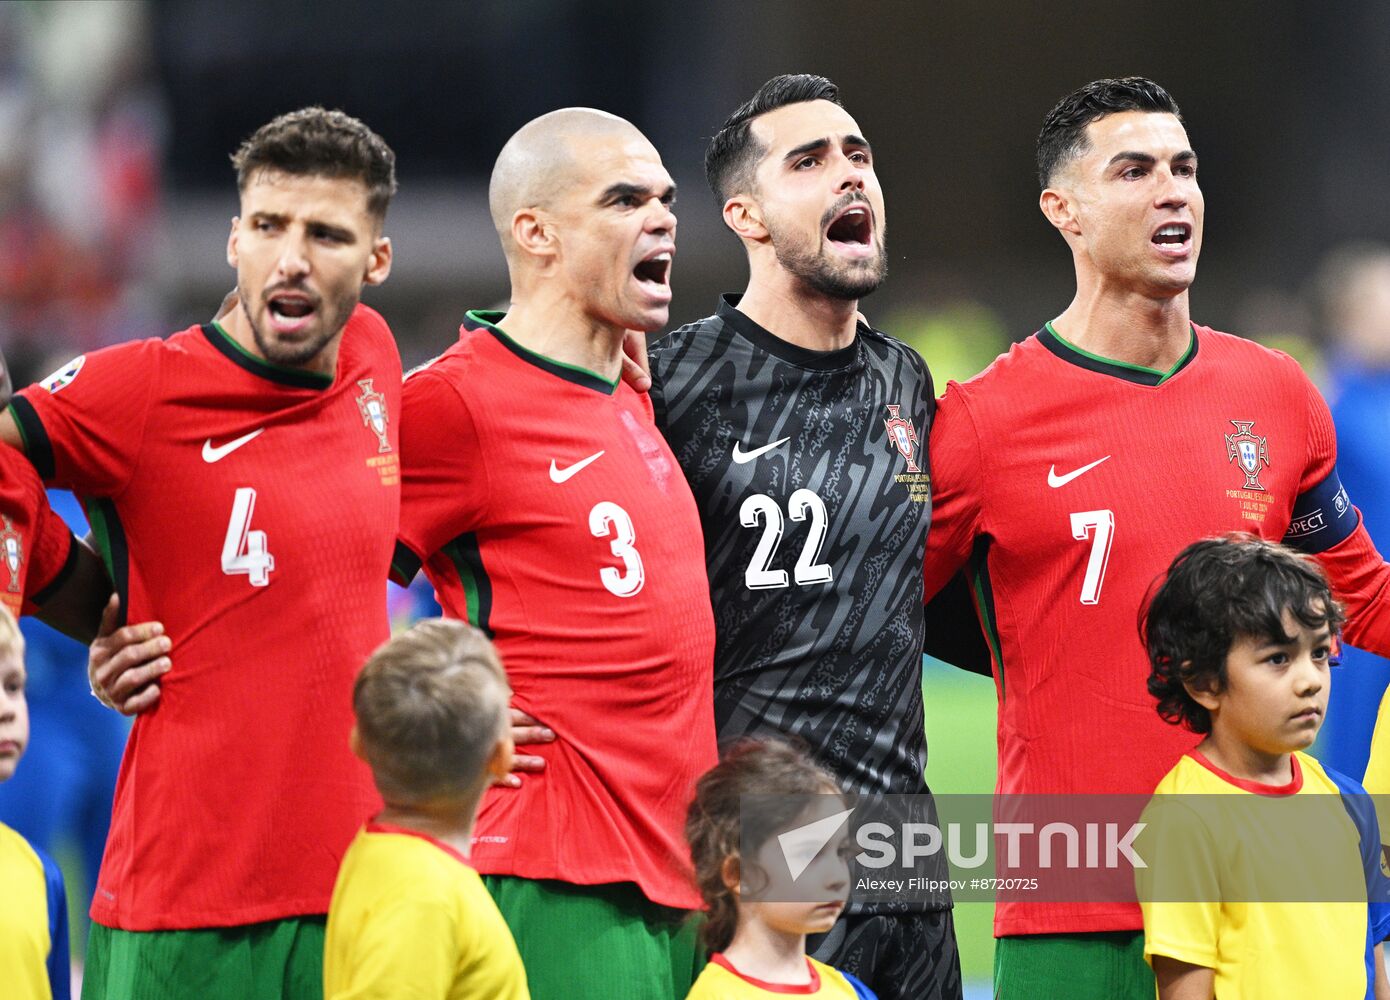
(243, 550)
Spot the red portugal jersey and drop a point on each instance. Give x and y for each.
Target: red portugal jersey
(1065, 485)
(252, 509)
(37, 551)
(548, 510)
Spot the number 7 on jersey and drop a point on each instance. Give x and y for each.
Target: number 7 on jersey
(1099, 526)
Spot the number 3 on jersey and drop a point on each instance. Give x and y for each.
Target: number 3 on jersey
(243, 550)
(607, 518)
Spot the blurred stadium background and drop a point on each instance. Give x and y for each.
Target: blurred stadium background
(116, 119)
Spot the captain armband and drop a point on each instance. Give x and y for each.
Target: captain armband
(1322, 517)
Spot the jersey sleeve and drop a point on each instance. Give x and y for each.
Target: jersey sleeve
(444, 481)
(1180, 890)
(53, 553)
(956, 500)
(59, 971)
(404, 951)
(1326, 524)
(83, 425)
(861, 992)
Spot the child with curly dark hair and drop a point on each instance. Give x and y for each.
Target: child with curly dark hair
(1240, 636)
(759, 948)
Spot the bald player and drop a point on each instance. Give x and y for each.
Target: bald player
(546, 509)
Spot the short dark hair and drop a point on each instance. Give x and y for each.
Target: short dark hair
(767, 767)
(1063, 134)
(325, 143)
(1216, 591)
(733, 152)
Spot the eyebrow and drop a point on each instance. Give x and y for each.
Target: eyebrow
(1134, 156)
(815, 145)
(625, 190)
(280, 218)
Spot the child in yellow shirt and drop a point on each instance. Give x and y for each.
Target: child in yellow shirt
(409, 917)
(759, 947)
(33, 919)
(1259, 860)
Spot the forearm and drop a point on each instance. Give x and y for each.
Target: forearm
(1183, 980)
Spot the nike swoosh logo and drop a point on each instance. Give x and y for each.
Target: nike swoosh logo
(559, 475)
(216, 454)
(741, 456)
(1055, 480)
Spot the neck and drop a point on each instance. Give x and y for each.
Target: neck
(446, 820)
(1247, 762)
(782, 305)
(1127, 326)
(768, 954)
(237, 326)
(559, 328)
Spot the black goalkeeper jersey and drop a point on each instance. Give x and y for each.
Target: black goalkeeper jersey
(810, 472)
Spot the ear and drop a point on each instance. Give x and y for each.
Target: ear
(1060, 210)
(355, 744)
(731, 873)
(745, 217)
(1203, 693)
(379, 263)
(533, 232)
(499, 761)
(231, 241)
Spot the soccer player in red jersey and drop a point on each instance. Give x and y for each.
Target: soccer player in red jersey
(547, 510)
(1069, 473)
(242, 479)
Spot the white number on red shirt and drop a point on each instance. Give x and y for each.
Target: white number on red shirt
(243, 550)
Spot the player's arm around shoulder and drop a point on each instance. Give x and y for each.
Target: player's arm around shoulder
(957, 481)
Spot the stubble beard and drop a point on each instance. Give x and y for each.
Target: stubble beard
(299, 355)
(832, 279)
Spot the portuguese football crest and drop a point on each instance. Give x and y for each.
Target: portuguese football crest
(374, 415)
(12, 545)
(903, 435)
(1249, 450)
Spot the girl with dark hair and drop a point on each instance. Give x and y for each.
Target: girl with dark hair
(768, 874)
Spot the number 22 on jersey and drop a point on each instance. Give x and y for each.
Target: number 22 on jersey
(244, 548)
(808, 569)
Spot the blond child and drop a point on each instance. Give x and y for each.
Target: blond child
(759, 948)
(33, 917)
(409, 916)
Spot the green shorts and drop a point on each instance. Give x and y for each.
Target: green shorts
(1106, 965)
(276, 960)
(598, 942)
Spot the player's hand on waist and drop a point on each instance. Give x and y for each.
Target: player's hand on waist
(124, 664)
(526, 730)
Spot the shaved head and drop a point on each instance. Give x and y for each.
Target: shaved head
(538, 163)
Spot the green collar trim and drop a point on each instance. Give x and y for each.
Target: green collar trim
(489, 320)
